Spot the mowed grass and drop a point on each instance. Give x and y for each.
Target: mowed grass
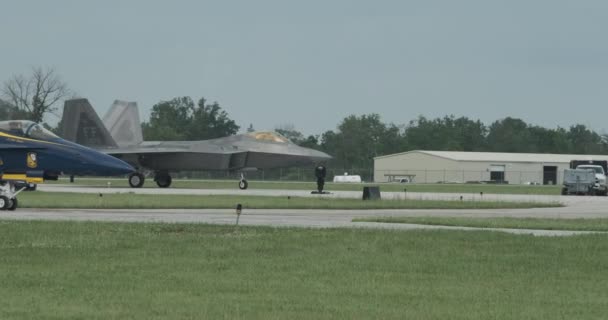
(71, 270)
(396, 187)
(39, 199)
(599, 224)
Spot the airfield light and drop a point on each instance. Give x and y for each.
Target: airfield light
(239, 210)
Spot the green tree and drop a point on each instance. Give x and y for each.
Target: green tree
(210, 121)
(312, 141)
(169, 120)
(509, 135)
(585, 141)
(548, 140)
(447, 133)
(181, 119)
(359, 139)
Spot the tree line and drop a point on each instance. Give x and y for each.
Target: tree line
(358, 139)
(354, 143)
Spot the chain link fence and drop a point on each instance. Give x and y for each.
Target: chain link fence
(408, 176)
(465, 176)
(278, 174)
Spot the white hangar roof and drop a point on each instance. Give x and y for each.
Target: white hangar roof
(503, 156)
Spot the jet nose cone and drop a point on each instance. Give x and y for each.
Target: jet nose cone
(321, 156)
(117, 167)
(106, 165)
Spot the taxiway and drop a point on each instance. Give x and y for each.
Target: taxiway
(575, 207)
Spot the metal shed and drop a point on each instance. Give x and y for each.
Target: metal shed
(420, 166)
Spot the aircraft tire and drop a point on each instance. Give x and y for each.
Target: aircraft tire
(243, 184)
(4, 202)
(163, 180)
(13, 204)
(136, 180)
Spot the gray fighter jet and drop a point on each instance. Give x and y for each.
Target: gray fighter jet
(120, 135)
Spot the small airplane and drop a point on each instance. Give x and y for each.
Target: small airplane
(31, 154)
(120, 135)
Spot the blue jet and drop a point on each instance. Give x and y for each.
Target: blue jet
(30, 154)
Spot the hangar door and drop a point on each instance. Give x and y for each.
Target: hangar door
(497, 172)
(549, 174)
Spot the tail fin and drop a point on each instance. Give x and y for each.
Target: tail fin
(122, 121)
(81, 124)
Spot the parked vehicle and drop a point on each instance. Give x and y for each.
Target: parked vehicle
(586, 177)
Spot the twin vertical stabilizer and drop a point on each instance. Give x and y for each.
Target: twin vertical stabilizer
(81, 124)
(122, 121)
(120, 126)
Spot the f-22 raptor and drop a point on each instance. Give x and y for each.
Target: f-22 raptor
(120, 135)
(29, 153)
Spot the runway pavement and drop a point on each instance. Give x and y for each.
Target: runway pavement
(576, 207)
(305, 193)
(585, 203)
(275, 218)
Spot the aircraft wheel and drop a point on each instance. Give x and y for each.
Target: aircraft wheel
(243, 184)
(163, 180)
(13, 204)
(4, 203)
(136, 180)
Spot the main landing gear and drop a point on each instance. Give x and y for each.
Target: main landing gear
(162, 179)
(8, 196)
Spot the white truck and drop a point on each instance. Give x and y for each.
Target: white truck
(586, 177)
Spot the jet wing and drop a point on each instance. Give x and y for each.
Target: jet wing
(121, 151)
(163, 150)
(178, 158)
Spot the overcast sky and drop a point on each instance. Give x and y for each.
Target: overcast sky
(311, 63)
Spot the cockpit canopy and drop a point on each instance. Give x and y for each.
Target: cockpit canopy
(268, 136)
(27, 129)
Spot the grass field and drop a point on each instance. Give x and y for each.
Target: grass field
(232, 184)
(69, 270)
(510, 223)
(130, 200)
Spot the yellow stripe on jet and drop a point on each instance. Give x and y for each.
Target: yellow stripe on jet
(10, 136)
(21, 177)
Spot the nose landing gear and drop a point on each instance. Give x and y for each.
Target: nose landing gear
(243, 184)
(136, 180)
(8, 196)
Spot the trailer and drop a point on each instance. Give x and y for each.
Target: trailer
(599, 167)
(579, 181)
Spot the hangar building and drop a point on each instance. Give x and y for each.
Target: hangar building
(420, 166)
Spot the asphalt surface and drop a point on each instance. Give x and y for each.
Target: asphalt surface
(576, 207)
